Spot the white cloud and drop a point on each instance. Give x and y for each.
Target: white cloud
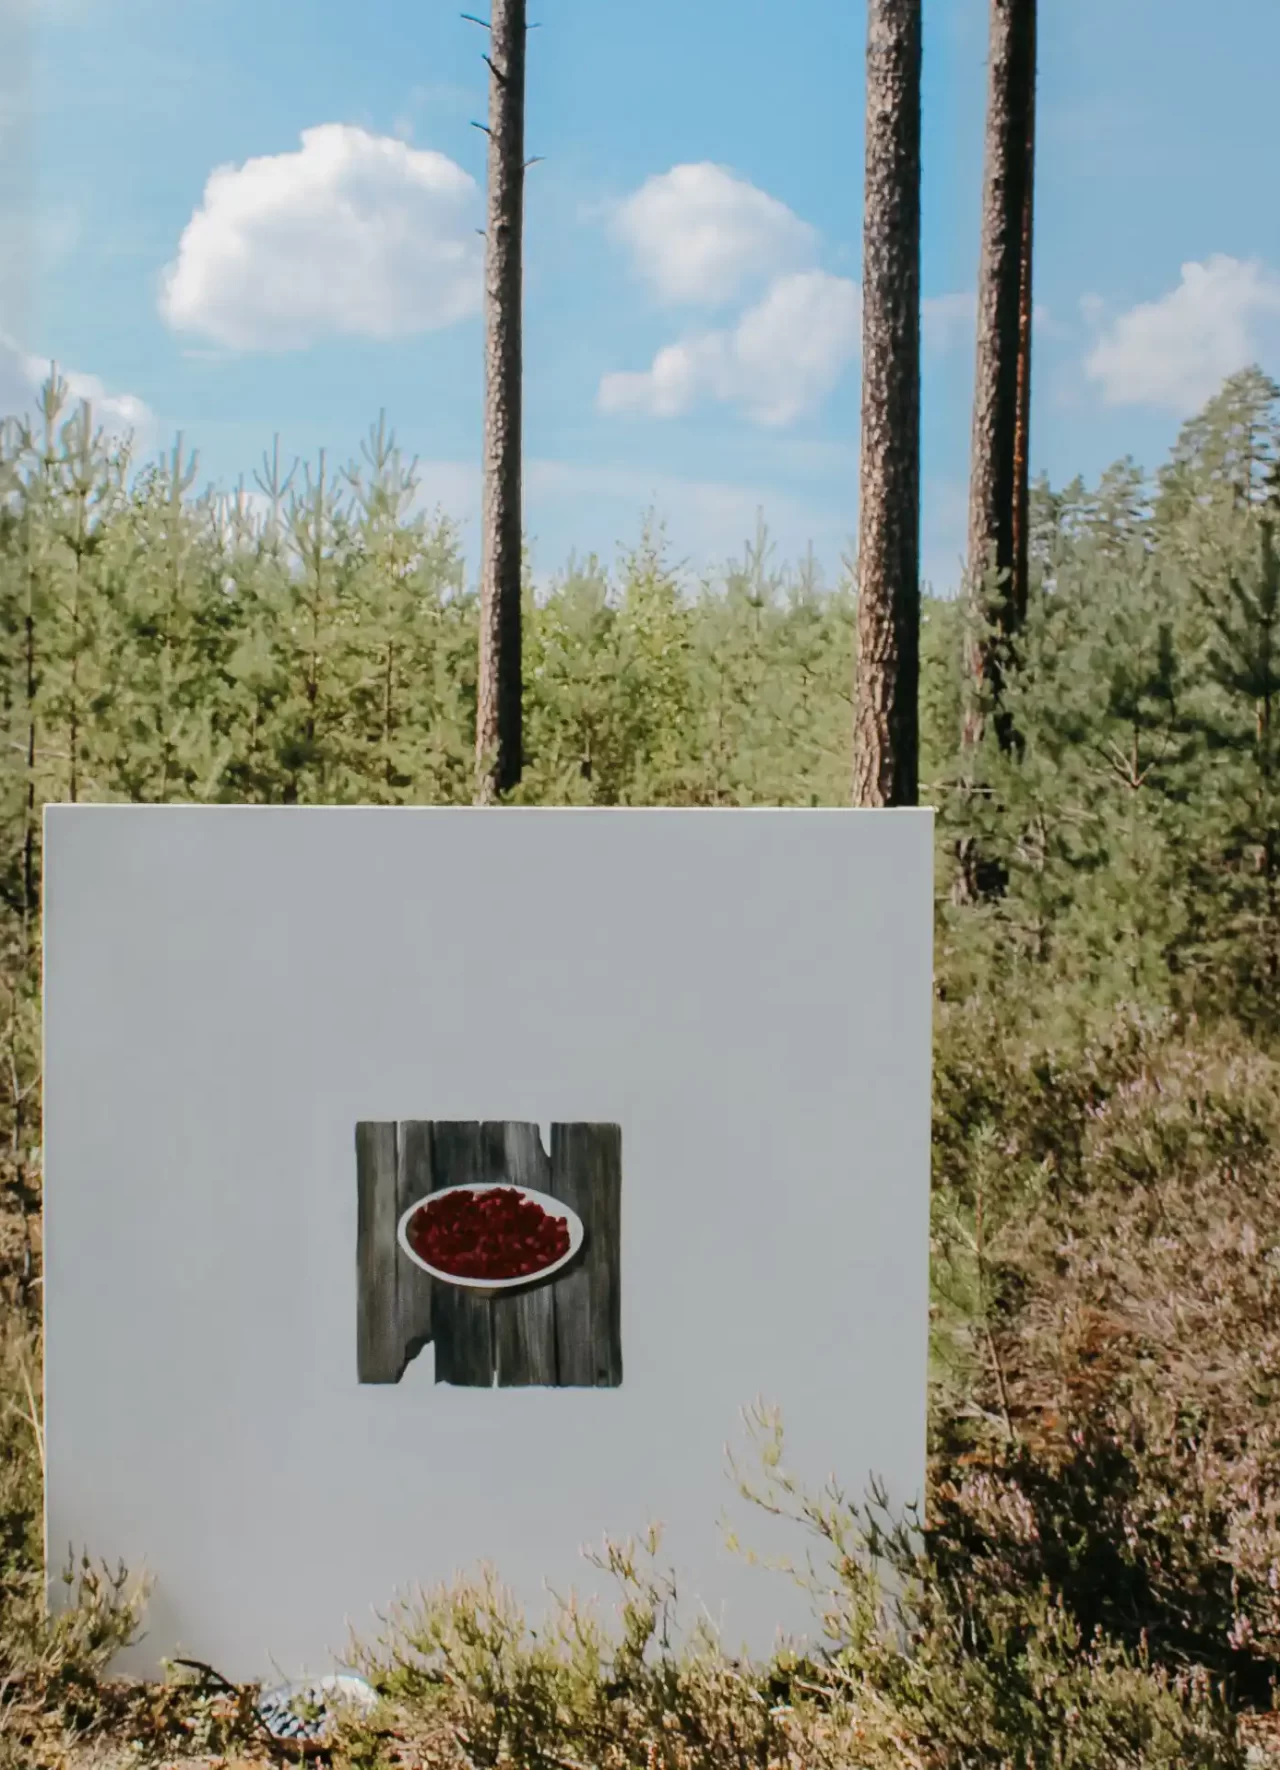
(353, 234)
(947, 320)
(699, 234)
(1176, 352)
(780, 360)
(22, 376)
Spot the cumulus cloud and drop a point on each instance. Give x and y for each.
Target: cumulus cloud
(352, 234)
(22, 375)
(1175, 352)
(699, 234)
(779, 361)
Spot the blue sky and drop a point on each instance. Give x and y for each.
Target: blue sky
(692, 250)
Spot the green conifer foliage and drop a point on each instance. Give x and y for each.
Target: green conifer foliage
(314, 641)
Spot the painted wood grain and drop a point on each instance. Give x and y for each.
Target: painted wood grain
(413, 1285)
(379, 1356)
(586, 1173)
(564, 1332)
(463, 1153)
(524, 1321)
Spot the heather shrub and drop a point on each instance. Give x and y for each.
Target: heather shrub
(1118, 1437)
(921, 1664)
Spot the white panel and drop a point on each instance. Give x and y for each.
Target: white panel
(229, 990)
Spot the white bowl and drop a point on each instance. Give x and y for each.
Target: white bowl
(554, 1207)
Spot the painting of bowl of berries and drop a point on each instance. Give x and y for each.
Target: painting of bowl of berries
(490, 1238)
(492, 1254)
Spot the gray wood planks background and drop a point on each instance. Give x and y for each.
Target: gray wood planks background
(566, 1332)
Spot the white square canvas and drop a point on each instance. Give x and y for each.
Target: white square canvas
(740, 999)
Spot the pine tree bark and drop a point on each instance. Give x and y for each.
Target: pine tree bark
(1022, 420)
(499, 736)
(998, 468)
(886, 687)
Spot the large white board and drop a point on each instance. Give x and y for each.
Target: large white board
(230, 991)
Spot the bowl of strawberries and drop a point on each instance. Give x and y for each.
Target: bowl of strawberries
(491, 1237)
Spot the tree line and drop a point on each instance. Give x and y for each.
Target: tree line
(317, 644)
(1094, 718)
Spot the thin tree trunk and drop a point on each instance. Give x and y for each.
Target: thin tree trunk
(1022, 423)
(886, 687)
(30, 814)
(499, 745)
(998, 469)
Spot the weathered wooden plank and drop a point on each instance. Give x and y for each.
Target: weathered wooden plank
(463, 1153)
(413, 1285)
(379, 1356)
(524, 1321)
(567, 1332)
(586, 1173)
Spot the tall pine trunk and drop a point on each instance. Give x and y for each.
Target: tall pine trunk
(886, 688)
(499, 741)
(998, 468)
(1022, 421)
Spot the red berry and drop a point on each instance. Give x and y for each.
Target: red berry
(495, 1234)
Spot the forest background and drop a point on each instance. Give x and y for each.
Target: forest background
(1100, 1577)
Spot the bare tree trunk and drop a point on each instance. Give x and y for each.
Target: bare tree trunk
(998, 468)
(886, 687)
(499, 744)
(1022, 422)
